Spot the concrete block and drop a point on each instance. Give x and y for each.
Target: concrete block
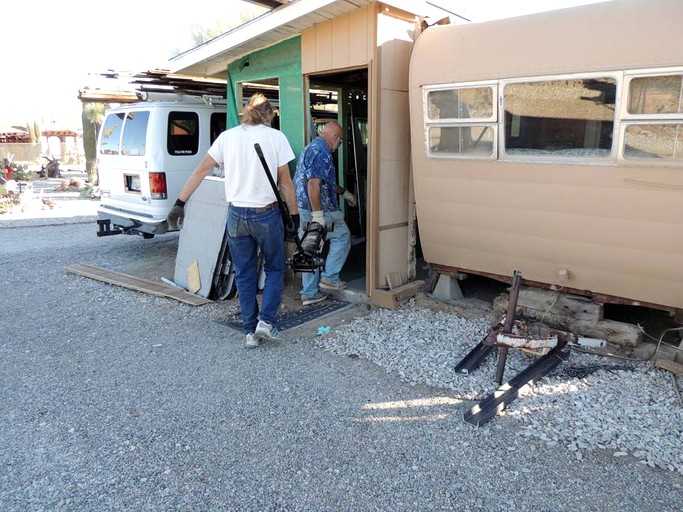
(447, 288)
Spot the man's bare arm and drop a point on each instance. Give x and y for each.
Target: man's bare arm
(314, 193)
(201, 171)
(287, 188)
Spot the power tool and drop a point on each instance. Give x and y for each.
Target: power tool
(309, 254)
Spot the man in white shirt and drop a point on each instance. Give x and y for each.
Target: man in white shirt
(254, 220)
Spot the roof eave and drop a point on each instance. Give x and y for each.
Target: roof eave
(212, 58)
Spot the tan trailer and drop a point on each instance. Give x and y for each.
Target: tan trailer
(552, 144)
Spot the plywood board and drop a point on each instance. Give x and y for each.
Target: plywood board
(194, 282)
(393, 251)
(136, 283)
(340, 43)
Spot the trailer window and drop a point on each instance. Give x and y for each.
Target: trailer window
(653, 123)
(461, 121)
(472, 140)
(467, 103)
(654, 141)
(560, 118)
(656, 95)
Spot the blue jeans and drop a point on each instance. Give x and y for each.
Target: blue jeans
(247, 232)
(340, 245)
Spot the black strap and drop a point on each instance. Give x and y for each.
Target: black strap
(281, 204)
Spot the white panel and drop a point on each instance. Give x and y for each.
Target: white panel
(206, 214)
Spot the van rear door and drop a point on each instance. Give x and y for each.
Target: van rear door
(122, 158)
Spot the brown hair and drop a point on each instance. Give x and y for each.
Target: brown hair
(258, 110)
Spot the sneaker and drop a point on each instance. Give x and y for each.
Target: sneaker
(331, 285)
(252, 341)
(265, 331)
(318, 297)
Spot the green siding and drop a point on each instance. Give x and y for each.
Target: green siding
(281, 61)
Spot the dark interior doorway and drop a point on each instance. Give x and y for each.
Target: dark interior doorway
(344, 97)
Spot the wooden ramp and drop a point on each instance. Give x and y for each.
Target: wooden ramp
(136, 283)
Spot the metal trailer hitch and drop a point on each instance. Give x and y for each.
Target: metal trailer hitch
(105, 229)
(513, 334)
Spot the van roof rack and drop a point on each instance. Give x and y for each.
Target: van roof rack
(179, 97)
(160, 85)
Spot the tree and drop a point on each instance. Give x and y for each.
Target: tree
(201, 34)
(92, 118)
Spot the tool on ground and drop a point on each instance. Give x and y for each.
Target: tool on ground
(309, 254)
(512, 333)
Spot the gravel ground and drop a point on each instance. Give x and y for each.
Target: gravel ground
(116, 400)
(588, 403)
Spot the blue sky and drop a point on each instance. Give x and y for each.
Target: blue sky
(53, 49)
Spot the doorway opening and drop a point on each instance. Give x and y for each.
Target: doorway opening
(269, 87)
(343, 97)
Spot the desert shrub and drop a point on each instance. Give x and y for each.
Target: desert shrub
(21, 172)
(72, 185)
(62, 186)
(76, 183)
(90, 192)
(7, 203)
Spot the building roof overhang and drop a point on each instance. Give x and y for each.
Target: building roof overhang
(284, 21)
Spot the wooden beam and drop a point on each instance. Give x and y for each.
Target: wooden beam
(136, 283)
(391, 298)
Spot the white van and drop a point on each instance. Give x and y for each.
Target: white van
(145, 153)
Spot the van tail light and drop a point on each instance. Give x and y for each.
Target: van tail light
(157, 185)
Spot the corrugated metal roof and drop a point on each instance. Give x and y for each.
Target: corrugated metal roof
(211, 59)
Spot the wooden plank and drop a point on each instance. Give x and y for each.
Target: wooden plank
(390, 298)
(571, 312)
(671, 366)
(619, 333)
(394, 280)
(557, 308)
(136, 283)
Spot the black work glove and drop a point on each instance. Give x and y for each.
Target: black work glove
(292, 228)
(176, 216)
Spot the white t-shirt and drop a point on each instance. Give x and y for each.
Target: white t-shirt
(246, 183)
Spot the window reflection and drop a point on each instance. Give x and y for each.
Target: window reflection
(466, 103)
(569, 118)
(656, 95)
(647, 141)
